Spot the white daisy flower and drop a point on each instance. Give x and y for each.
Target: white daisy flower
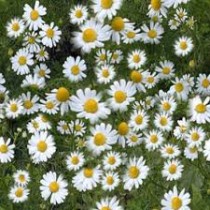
(87, 104)
(203, 84)
(131, 35)
(167, 104)
(106, 8)
(152, 34)
(117, 57)
(48, 106)
(42, 71)
(174, 200)
(63, 127)
(50, 35)
(21, 177)
(33, 16)
(174, 24)
(42, 54)
(22, 61)
(181, 129)
(14, 108)
(41, 147)
(134, 139)
(33, 126)
(103, 56)
(112, 160)
(165, 69)
(18, 194)
(151, 79)
(31, 42)
(33, 81)
(87, 179)
(175, 3)
(91, 35)
(157, 7)
(138, 79)
(136, 172)
(163, 121)
(122, 94)
(172, 170)
(108, 204)
(192, 152)
(181, 15)
(183, 46)
(6, 150)
(15, 27)
(170, 151)
(77, 127)
(78, 14)
(102, 138)
(109, 181)
(206, 150)
(123, 130)
(53, 187)
(136, 59)
(75, 161)
(74, 69)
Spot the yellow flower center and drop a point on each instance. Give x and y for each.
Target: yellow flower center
(172, 169)
(139, 119)
(105, 208)
(166, 70)
(42, 73)
(89, 35)
(163, 121)
(35, 124)
(22, 178)
(3, 148)
(31, 40)
(193, 150)
(150, 79)
(28, 104)
(131, 34)
(195, 136)
(115, 56)
(13, 107)
(88, 172)
(166, 106)
(54, 187)
(105, 73)
(136, 58)
(22, 60)
(136, 76)
(170, 150)
(78, 13)
(153, 138)
(74, 160)
(109, 180)
(102, 57)
(49, 105)
(176, 203)
(111, 160)
(15, 26)
(42, 146)
(200, 108)
(152, 33)
(179, 87)
(34, 15)
(133, 172)
(42, 53)
(91, 106)
(75, 70)
(205, 83)
(106, 4)
(78, 127)
(134, 138)
(19, 192)
(183, 45)
(99, 139)
(50, 33)
(156, 4)
(120, 96)
(123, 128)
(62, 94)
(118, 24)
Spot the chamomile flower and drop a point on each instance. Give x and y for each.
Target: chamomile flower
(106, 8)
(105, 74)
(117, 56)
(48, 106)
(152, 34)
(78, 14)
(33, 81)
(112, 160)
(33, 126)
(108, 204)
(6, 150)
(21, 177)
(206, 150)
(136, 172)
(136, 59)
(103, 56)
(18, 194)
(168, 105)
(75, 161)
(134, 139)
(53, 187)
(192, 152)
(172, 170)
(151, 79)
(42, 54)
(109, 181)
(42, 71)
(15, 27)
(30, 103)
(183, 46)
(33, 16)
(22, 61)
(14, 108)
(123, 131)
(157, 7)
(165, 70)
(153, 139)
(50, 35)
(131, 35)
(174, 24)
(31, 42)
(181, 129)
(77, 127)
(175, 3)
(122, 94)
(92, 34)
(203, 84)
(138, 79)
(87, 179)
(102, 138)
(87, 105)
(174, 200)
(200, 110)
(163, 121)
(170, 151)
(195, 136)
(62, 97)
(74, 69)
(181, 14)
(139, 120)
(41, 147)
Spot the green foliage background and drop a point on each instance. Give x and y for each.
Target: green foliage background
(196, 177)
